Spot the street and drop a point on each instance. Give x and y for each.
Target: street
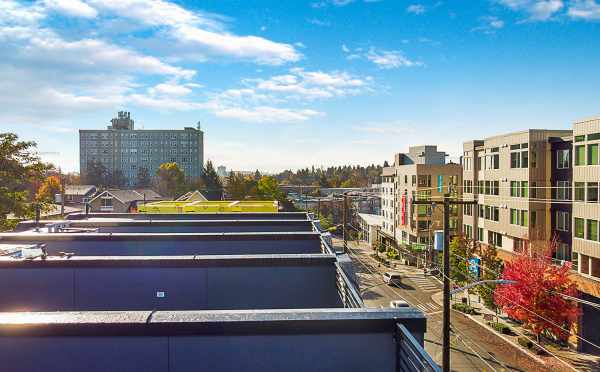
(473, 348)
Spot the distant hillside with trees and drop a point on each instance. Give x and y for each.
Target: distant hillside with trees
(341, 176)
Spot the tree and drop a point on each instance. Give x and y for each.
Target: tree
(257, 176)
(170, 180)
(537, 294)
(96, 174)
(49, 188)
(490, 268)
(117, 179)
(236, 186)
(461, 249)
(20, 167)
(268, 188)
(212, 181)
(143, 178)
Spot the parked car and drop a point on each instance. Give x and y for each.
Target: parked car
(399, 303)
(392, 278)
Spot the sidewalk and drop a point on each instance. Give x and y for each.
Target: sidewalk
(558, 358)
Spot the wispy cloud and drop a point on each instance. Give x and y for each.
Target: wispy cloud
(584, 9)
(390, 59)
(383, 59)
(489, 24)
(536, 10)
(416, 9)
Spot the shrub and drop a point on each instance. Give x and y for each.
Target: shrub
(464, 308)
(525, 342)
(500, 327)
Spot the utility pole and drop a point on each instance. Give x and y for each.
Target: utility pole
(446, 261)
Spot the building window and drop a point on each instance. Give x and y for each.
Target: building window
(562, 252)
(562, 190)
(518, 217)
(480, 234)
(592, 192)
(579, 191)
(514, 160)
(592, 154)
(575, 261)
(562, 159)
(579, 228)
(562, 221)
(468, 209)
(580, 155)
(533, 221)
(106, 203)
(592, 230)
(519, 189)
(494, 238)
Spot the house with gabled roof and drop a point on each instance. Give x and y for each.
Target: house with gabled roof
(123, 201)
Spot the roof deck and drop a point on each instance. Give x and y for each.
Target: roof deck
(130, 293)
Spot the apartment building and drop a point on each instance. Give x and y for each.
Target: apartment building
(420, 174)
(510, 177)
(388, 204)
(123, 149)
(586, 210)
(423, 174)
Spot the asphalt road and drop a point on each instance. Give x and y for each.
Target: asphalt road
(473, 347)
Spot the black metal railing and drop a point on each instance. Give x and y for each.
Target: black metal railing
(410, 355)
(347, 291)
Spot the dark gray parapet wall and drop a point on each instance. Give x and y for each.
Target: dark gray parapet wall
(261, 340)
(198, 216)
(115, 225)
(166, 244)
(169, 283)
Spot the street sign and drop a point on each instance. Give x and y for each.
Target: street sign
(474, 266)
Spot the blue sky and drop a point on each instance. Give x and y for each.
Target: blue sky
(288, 84)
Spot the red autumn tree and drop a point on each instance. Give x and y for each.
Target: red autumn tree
(536, 295)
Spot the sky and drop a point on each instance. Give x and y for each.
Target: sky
(288, 84)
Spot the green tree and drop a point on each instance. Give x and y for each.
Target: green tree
(268, 188)
(461, 248)
(20, 167)
(491, 267)
(170, 180)
(117, 179)
(237, 188)
(96, 174)
(212, 182)
(143, 178)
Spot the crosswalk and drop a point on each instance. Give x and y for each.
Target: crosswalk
(428, 307)
(424, 283)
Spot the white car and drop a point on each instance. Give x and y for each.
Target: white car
(391, 278)
(398, 304)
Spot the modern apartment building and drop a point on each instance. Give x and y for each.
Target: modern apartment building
(586, 210)
(122, 148)
(510, 177)
(388, 204)
(420, 174)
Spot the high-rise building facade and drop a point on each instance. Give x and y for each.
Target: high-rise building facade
(510, 177)
(123, 149)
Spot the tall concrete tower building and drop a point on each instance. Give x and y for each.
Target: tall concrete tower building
(121, 147)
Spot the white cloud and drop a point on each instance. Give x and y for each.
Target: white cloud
(266, 114)
(390, 59)
(15, 13)
(345, 49)
(489, 24)
(537, 10)
(172, 88)
(416, 9)
(584, 9)
(74, 8)
(202, 33)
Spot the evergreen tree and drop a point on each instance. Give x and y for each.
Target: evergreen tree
(143, 178)
(213, 184)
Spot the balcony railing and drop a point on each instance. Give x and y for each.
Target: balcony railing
(347, 291)
(410, 355)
